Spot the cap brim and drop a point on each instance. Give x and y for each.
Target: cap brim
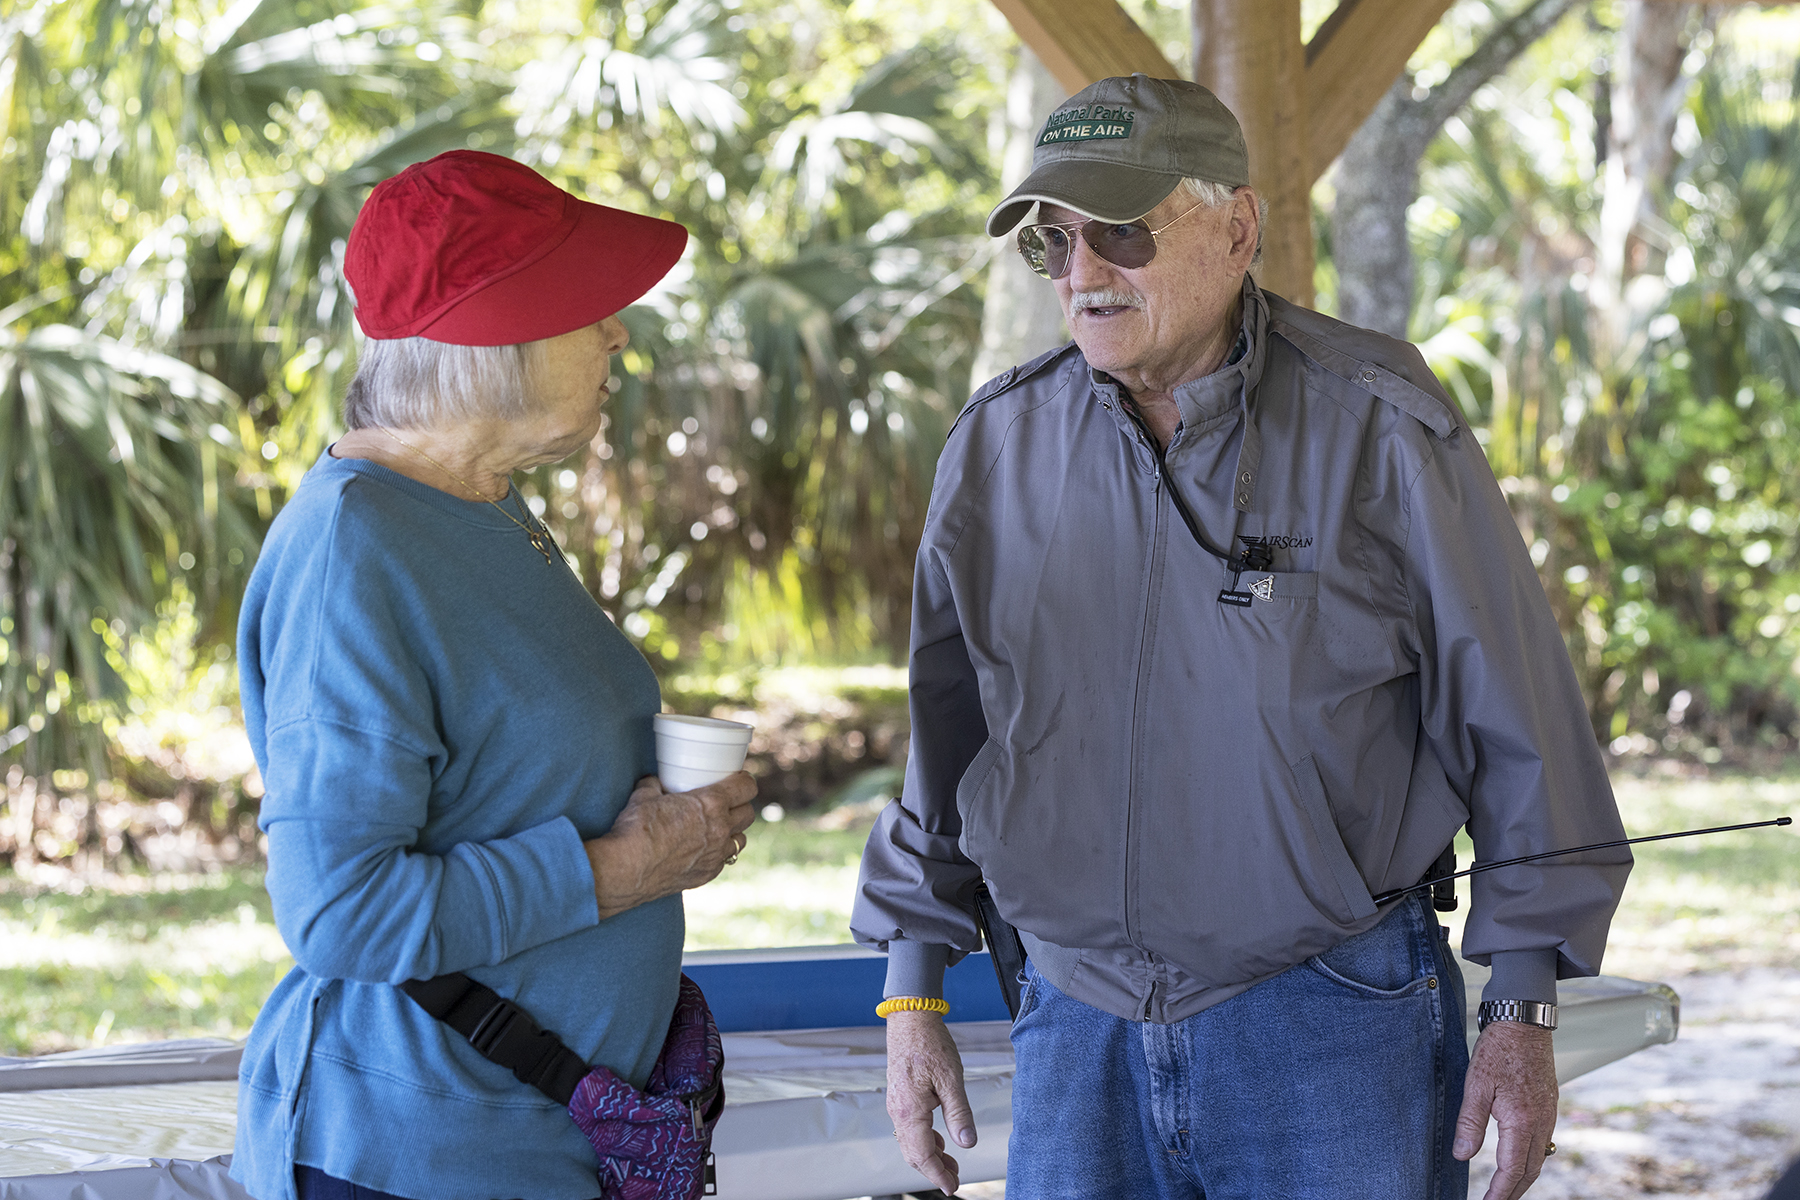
(1102, 191)
(609, 259)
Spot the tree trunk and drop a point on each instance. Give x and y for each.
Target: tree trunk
(1646, 99)
(1021, 317)
(1377, 181)
(1378, 174)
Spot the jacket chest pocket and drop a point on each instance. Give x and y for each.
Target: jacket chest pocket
(1272, 638)
(1271, 593)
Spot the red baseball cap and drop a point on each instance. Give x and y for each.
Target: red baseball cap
(474, 249)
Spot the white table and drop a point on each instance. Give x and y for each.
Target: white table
(804, 1117)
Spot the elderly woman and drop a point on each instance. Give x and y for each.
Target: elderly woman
(454, 739)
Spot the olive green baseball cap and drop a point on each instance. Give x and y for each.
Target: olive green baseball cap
(1116, 149)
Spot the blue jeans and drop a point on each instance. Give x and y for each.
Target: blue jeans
(310, 1183)
(1338, 1079)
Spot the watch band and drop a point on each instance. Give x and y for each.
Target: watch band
(1526, 1012)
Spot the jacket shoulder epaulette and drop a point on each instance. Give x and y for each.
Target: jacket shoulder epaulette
(1012, 377)
(1387, 368)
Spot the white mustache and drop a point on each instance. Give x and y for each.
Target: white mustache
(1103, 299)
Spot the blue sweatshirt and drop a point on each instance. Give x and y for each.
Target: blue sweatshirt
(440, 718)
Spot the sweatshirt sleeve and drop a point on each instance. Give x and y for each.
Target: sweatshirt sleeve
(340, 661)
(1501, 709)
(357, 897)
(915, 898)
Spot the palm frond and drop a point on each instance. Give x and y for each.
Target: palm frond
(117, 476)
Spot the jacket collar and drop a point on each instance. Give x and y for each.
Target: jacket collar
(1215, 398)
(1211, 399)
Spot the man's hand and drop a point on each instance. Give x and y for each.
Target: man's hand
(1513, 1078)
(666, 842)
(925, 1071)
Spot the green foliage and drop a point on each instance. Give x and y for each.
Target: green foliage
(825, 737)
(1642, 437)
(176, 183)
(768, 458)
(114, 480)
(166, 219)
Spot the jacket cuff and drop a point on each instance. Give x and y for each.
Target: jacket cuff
(1518, 975)
(917, 969)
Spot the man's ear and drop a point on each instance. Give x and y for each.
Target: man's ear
(1245, 224)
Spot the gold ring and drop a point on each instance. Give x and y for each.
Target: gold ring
(733, 859)
(1549, 1149)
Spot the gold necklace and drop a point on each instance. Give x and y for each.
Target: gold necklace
(540, 536)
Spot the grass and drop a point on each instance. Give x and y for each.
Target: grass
(1725, 902)
(792, 886)
(147, 958)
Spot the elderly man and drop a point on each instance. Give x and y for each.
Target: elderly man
(1221, 628)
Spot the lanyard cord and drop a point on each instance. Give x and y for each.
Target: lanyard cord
(1255, 557)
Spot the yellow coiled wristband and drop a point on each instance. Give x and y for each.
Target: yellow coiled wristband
(894, 1004)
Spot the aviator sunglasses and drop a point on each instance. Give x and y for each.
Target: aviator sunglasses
(1048, 249)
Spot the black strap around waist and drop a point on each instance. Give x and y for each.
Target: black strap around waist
(1443, 884)
(501, 1032)
(1004, 945)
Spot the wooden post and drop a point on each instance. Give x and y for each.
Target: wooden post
(1251, 55)
(1081, 41)
(1352, 61)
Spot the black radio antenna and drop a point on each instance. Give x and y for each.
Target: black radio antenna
(1395, 893)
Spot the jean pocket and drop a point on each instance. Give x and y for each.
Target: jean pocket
(1031, 996)
(1029, 981)
(1413, 987)
(1386, 961)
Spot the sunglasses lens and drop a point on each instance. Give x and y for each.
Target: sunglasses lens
(1121, 245)
(1045, 249)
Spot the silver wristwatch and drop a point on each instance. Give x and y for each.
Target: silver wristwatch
(1526, 1012)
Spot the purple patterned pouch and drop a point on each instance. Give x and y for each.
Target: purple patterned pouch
(655, 1144)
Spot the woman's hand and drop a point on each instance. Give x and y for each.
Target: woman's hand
(666, 842)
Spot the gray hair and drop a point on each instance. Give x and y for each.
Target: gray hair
(416, 383)
(1218, 195)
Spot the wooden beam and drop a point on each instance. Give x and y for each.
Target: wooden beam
(1081, 41)
(1352, 61)
(1249, 53)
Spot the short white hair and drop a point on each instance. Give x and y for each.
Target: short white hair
(416, 383)
(1218, 195)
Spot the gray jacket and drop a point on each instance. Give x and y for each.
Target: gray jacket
(1174, 797)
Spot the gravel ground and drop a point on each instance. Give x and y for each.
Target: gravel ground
(1716, 1115)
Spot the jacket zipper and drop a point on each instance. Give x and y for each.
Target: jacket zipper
(1157, 540)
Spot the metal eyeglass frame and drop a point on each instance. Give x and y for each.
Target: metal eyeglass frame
(1080, 228)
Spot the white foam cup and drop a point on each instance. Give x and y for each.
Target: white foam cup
(692, 752)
